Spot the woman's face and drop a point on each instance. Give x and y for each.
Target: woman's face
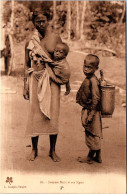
(41, 23)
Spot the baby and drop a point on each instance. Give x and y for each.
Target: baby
(58, 64)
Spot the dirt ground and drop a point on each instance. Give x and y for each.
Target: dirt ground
(71, 139)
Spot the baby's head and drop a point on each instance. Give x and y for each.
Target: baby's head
(61, 51)
(91, 64)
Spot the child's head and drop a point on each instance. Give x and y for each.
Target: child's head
(61, 51)
(91, 64)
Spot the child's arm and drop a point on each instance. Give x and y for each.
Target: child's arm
(95, 99)
(68, 88)
(52, 75)
(80, 97)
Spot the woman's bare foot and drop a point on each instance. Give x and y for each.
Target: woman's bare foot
(85, 160)
(33, 155)
(54, 157)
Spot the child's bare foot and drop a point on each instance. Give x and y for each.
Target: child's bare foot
(54, 157)
(99, 160)
(33, 155)
(85, 160)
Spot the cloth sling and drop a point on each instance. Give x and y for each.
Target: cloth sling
(43, 90)
(36, 49)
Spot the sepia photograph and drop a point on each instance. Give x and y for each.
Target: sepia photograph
(63, 97)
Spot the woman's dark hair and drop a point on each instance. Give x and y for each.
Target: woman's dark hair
(38, 11)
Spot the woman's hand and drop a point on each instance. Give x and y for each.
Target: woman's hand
(29, 71)
(26, 89)
(89, 120)
(26, 93)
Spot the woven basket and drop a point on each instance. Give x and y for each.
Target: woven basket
(107, 100)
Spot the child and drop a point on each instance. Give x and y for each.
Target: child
(58, 63)
(60, 66)
(88, 96)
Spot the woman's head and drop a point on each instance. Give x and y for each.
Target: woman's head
(40, 19)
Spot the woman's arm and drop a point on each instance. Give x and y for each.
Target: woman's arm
(26, 66)
(27, 60)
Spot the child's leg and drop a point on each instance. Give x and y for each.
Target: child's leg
(88, 159)
(91, 153)
(68, 88)
(98, 156)
(34, 152)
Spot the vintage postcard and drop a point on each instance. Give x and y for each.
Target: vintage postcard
(63, 97)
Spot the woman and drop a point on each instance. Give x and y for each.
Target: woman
(39, 123)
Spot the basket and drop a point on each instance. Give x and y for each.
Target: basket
(107, 101)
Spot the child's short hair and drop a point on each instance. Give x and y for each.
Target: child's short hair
(92, 60)
(66, 48)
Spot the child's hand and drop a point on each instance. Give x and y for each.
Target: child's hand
(91, 116)
(68, 89)
(67, 92)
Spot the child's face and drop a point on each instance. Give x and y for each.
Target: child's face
(89, 69)
(59, 52)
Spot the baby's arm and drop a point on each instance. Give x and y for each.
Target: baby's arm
(68, 88)
(52, 75)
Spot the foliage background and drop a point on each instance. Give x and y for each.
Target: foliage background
(103, 23)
